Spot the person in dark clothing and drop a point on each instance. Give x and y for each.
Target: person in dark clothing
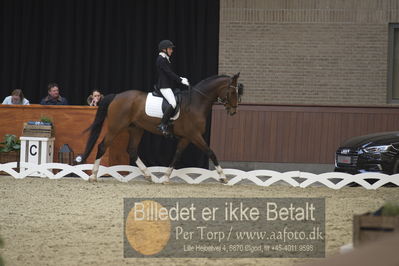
(53, 97)
(166, 79)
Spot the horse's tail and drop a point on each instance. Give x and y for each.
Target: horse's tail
(96, 126)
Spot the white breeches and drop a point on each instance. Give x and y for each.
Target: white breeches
(169, 96)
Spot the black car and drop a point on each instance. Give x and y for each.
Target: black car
(370, 153)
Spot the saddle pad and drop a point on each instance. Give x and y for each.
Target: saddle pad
(153, 107)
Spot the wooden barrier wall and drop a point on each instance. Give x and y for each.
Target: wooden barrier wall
(257, 133)
(294, 134)
(69, 123)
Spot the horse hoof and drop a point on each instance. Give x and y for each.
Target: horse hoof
(92, 179)
(149, 179)
(223, 180)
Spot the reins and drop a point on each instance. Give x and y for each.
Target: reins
(219, 100)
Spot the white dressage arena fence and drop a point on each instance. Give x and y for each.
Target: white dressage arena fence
(264, 178)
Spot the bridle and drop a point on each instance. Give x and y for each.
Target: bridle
(226, 99)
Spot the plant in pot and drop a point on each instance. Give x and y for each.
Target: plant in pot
(46, 119)
(9, 149)
(390, 209)
(372, 226)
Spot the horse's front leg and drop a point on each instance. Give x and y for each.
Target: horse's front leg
(179, 150)
(219, 169)
(200, 143)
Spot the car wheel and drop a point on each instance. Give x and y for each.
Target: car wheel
(395, 168)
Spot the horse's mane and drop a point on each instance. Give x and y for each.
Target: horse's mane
(204, 82)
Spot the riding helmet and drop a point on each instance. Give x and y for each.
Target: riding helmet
(165, 44)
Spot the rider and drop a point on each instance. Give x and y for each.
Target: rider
(166, 77)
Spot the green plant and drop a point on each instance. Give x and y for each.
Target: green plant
(390, 209)
(46, 119)
(10, 143)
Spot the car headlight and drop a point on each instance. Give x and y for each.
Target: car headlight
(377, 149)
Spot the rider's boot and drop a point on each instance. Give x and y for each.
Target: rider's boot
(164, 126)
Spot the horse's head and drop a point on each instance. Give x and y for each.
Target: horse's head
(231, 96)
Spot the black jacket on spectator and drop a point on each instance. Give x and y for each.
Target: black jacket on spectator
(51, 101)
(166, 76)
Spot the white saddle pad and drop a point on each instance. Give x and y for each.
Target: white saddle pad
(153, 107)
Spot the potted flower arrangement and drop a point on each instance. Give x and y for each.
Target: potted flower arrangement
(9, 149)
(372, 226)
(43, 128)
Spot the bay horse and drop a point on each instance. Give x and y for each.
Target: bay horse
(126, 110)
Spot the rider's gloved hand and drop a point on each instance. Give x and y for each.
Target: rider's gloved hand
(184, 81)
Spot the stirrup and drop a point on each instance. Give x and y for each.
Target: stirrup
(164, 129)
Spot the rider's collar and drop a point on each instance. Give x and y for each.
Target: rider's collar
(164, 55)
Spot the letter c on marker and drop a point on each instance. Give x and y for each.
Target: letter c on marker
(33, 153)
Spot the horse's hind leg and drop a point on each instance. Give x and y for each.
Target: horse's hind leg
(200, 143)
(179, 150)
(135, 135)
(113, 131)
(101, 148)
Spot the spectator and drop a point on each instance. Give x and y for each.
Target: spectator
(16, 97)
(54, 97)
(94, 98)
